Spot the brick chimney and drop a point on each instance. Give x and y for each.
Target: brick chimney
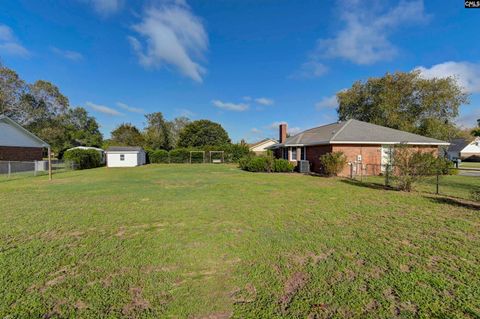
(282, 132)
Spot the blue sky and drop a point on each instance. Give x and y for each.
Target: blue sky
(248, 65)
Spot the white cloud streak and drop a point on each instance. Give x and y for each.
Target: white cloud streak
(327, 102)
(309, 70)
(130, 108)
(67, 54)
(106, 7)
(103, 109)
(239, 107)
(9, 44)
(173, 36)
(264, 101)
(364, 39)
(466, 73)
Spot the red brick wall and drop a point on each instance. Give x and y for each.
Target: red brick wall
(313, 155)
(8, 153)
(371, 154)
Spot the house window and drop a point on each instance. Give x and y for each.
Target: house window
(304, 153)
(285, 153)
(294, 153)
(122, 157)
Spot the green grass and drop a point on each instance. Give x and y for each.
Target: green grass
(470, 165)
(193, 241)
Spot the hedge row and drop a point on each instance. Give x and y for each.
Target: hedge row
(83, 159)
(265, 164)
(231, 154)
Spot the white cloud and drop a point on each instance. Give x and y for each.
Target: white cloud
(364, 39)
(67, 54)
(256, 131)
(103, 109)
(106, 7)
(230, 106)
(264, 101)
(129, 108)
(309, 70)
(185, 113)
(467, 74)
(290, 130)
(174, 36)
(327, 102)
(9, 45)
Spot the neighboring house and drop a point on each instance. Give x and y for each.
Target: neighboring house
(99, 150)
(261, 147)
(125, 156)
(18, 144)
(367, 146)
(464, 150)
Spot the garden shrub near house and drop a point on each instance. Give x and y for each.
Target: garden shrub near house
(265, 164)
(333, 163)
(413, 165)
(158, 156)
(282, 166)
(83, 159)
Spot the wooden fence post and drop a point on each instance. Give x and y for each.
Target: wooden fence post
(49, 164)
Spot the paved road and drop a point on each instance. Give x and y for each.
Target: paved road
(469, 173)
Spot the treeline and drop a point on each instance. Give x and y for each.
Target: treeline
(42, 109)
(171, 141)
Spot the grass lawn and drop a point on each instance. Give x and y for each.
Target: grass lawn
(211, 241)
(470, 165)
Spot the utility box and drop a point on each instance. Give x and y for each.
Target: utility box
(304, 166)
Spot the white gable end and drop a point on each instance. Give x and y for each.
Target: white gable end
(12, 134)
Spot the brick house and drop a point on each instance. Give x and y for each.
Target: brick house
(18, 144)
(368, 147)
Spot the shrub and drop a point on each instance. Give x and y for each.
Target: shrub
(333, 163)
(179, 155)
(158, 156)
(411, 166)
(83, 159)
(282, 166)
(446, 167)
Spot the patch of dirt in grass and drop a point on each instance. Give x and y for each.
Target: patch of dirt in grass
(137, 303)
(311, 257)
(372, 306)
(56, 310)
(404, 268)
(56, 278)
(246, 295)
(293, 284)
(376, 272)
(80, 305)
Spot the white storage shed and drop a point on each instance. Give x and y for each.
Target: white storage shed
(125, 156)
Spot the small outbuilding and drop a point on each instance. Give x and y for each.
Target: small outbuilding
(262, 146)
(125, 156)
(465, 150)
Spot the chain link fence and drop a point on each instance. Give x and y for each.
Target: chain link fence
(460, 182)
(18, 169)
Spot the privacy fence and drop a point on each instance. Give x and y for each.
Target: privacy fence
(15, 169)
(461, 183)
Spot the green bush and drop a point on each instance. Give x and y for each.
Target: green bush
(282, 166)
(333, 163)
(158, 156)
(446, 167)
(180, 155)
(267, 164)
(83, 159)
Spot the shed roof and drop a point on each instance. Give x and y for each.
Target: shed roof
(457, 144)
(124, 149)
(357, 132)
(15, 135)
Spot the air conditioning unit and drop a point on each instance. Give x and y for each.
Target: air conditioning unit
(304, 167)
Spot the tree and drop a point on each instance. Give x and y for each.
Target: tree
(126, 134)
(12, 88)
(202, 133)
(84, 129)
(158, 132)
(407, 102)
(176, 126)
(476, 131)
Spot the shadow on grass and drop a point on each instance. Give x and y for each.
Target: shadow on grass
(367, 184)
(454, 202)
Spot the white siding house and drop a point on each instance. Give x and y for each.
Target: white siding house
(125, 156)
(262, 146)
(464, 150)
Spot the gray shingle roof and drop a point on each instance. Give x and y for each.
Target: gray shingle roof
(457, 145)
(357, 132)
(124, 148)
